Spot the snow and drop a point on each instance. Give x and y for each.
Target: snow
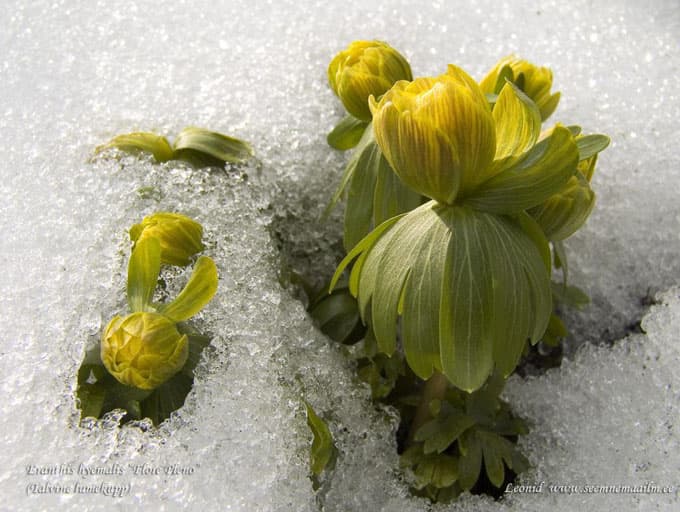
(74, 74)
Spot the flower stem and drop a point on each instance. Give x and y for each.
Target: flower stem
(434, 388)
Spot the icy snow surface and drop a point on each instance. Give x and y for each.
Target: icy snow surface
(75, 73)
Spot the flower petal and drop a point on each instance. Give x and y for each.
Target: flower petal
(517, 120)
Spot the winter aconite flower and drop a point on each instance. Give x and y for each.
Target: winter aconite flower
(534, 81)
(563, 213)
(436, 133)
(442, 139)
(179, 236)
(468, 272)
(364, 69)
(143, 349)
(146, 348)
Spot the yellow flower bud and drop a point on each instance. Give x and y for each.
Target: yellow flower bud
(143, 349)
(562, 214)
(179, 236)
(438, 133)
(534, 81)
(364, 69)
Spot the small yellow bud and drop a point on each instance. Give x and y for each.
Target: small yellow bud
(534, 81)
(179, 236)
(562, 214)
(364, 69)
(436, 133)
(143, 349)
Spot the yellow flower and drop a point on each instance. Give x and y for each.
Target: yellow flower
(436, 133)
(179, 236)
(143, 349)
(534, 81)
(562, 214)
(364, 69)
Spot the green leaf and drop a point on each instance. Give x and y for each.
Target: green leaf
(465, 340)
(440, 433)
(471, 289)
(538, 174)
(143, 269)
(570, 295)
(141, 141)
(562, 214)
(484, 404)
(362, 246)
(520, 290)
(591, 145)
(211, 144)
(531, 228)
(374, 192)
(470, 461)
(381, 373)
(423, 294)
(359, 208)
(387, 269)
(337, 315)
(347, 133)
(555, 332)
(391, 197)
(561, 259)
(322, 449)
(352, 166)
(496, 450)
(196, 294)
(437, 470)
(574, 129)
(91, 390)
(517, 120)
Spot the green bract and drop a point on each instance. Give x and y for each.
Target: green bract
(374, 192)
(197, 146)
(471, 289)
(364, 69)
(322, 449)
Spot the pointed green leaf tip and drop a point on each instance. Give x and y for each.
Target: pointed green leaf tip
(322, 444)
(347, 133)
(196, 294)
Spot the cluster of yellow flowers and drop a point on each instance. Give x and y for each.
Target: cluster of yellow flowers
(458, 200)
(146, 348)
(497, 189)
